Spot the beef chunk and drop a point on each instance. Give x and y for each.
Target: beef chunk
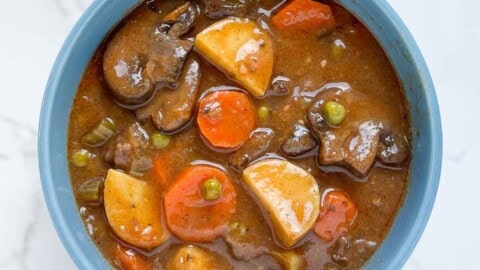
(139, 59)
(126, 152)
(299, 143)
(361, 147)
(182, 19)
(220, 8)
(244, 250)
(256, 145)
(360, 139)
(170, 110)
(346, 250)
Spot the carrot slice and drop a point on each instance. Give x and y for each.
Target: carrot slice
(337, 214)
(188, 215)
(304, 15)
(161, 170)
(226, 118)
(131, 260)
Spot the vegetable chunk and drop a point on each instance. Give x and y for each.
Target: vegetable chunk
(306, 16)
(242, 49)
(288, 193)
(189, 215)
(337, 214)
(226, 118)
(190, 258)
(134, 210)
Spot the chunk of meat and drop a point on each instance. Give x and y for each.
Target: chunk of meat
(359, 140)
(221, 8)
(139, 59)
(182, 19)
(394, 148)
(299, 143)
(346, 250)
(288, 193)
(170, 110)
(243, 249)
(254, 147)
(361, 148)
(126, 152)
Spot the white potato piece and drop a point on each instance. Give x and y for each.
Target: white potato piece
(289, 194)
(242, 49)
(190, 258)
(290, 260)
(134, 210)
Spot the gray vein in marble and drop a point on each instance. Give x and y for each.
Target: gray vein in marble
(26, 136)
(63, 10)
(21, 255)
(80, 4)
(460, 155)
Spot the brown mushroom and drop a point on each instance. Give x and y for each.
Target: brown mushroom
(139, 59)
(182, 19)
(256, 145)
(170, 110)
(301, 142)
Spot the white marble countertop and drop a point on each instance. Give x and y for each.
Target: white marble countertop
(32, 31)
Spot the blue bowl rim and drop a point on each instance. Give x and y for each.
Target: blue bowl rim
(79, 256)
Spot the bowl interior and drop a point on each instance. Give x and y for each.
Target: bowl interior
(377, 15)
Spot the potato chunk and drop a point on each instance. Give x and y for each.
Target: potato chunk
(242, 49)
(288, 193)
(190, 258)
(134, 210)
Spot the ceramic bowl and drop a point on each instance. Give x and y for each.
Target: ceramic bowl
(377, 15)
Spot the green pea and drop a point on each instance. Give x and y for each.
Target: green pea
(338, 48)
(211, 189)
(160, 141)
(334, 112)
(80, 158)
(263, 112)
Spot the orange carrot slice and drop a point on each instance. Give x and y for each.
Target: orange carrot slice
(128, 259)
(226, 118)
(337, 214)
(304, 15)
(188, 215)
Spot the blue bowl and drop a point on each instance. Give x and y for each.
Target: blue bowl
(377, 15)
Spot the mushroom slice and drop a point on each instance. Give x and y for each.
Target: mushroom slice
(289, 195)
(257, 144)
(139, 59)
(299, 143)
(394, 148)
(182, 19)
(170, 110)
